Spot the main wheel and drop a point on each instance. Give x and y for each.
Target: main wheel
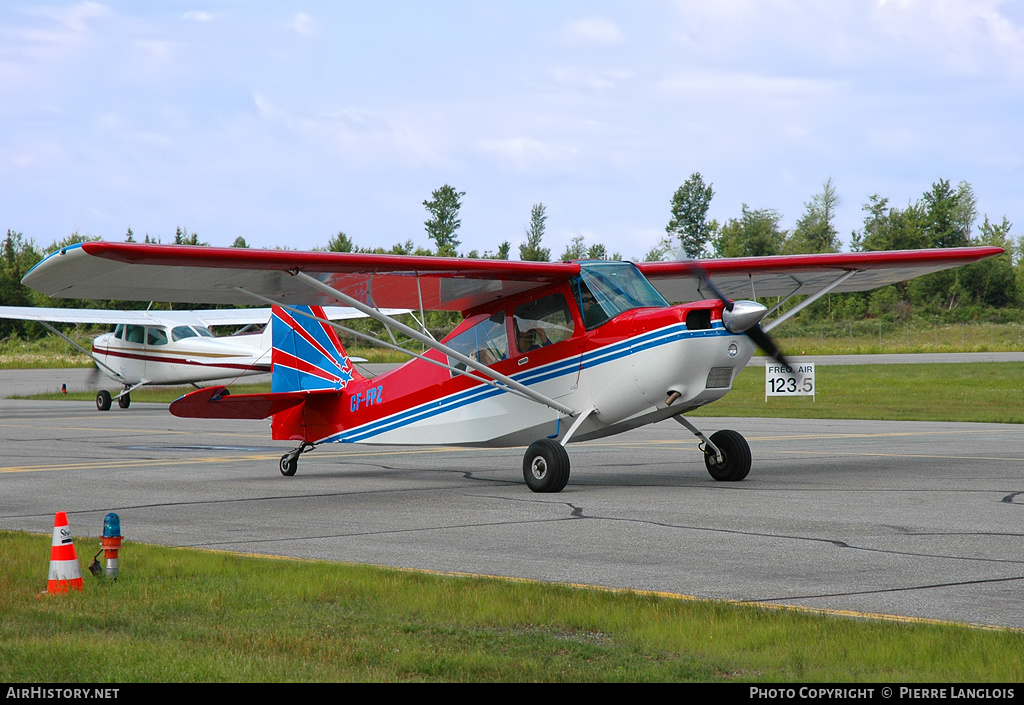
(124, 401)
(289, 464)
(103, 400)
(546, 466)
(735, 457)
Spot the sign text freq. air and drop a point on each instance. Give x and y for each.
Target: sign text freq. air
(783, 381)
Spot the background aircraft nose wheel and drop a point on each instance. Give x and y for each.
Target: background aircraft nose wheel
(546, 466)
(124, 401)
(103, 400)
(735, 457)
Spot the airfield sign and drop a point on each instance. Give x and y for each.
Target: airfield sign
(783, 381)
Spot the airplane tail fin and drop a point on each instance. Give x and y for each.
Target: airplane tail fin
(307, 354)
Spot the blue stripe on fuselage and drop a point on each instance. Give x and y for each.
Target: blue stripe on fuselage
(566, 366)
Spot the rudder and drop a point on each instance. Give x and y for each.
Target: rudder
(307, 354)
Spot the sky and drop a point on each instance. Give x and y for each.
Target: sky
(287, 122)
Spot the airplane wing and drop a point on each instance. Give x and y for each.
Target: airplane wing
(178, 273)
(750, 277)
(206, 317)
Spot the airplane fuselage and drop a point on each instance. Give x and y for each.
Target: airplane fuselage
(642, 366)
(178, 354)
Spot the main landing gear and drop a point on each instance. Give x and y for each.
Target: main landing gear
(103, 400)
(546, 466)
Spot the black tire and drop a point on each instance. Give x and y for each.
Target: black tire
(736, 457)
(124, 401)
(103, 400)
(546, 466)
(289, 464)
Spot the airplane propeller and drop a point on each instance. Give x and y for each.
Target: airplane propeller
(742, 316)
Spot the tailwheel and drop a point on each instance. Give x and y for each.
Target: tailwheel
(546, 466)
(125, 400)
(290, 460)
(103, 400)
(735, 456)
(289, 464)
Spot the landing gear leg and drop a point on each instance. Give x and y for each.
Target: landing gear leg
(726, 453)
(290, 460)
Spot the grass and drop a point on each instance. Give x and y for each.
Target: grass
(978, 392)
(181, 615)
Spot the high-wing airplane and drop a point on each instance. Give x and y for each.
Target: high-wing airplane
(168, 347)
(547, 353)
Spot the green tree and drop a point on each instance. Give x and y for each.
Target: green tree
(531, 251)
(240, 242)
(888, 228)
(756, 233)
(578, 249)
(17, 256)
(816, 231)
(341, 243)
(129, 236)
(689, 221)
(992, 281)
(444, 219)
(183, 237)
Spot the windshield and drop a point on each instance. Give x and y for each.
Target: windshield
(605, 289)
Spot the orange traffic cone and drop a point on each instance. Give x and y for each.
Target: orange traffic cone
(65, 574)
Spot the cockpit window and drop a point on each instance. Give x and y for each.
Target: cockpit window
(135, 334)
(486, 342)
(156, 336)
(542, 322)
(603, 290)
(182, 332)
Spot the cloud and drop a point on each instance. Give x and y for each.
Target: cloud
(198, 16)
(529, 154)
(302, 24)
(597, 31)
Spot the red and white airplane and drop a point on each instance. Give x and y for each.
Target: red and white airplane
(168, 347)
(547, 353)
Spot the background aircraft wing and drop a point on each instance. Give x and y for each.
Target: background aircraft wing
(206, 317)
(749, 277)
(187, 274)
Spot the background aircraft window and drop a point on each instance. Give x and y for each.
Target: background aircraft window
(542, 322)
(182, 332)
(134, 334)
(203, 331)
(156, 336)
(486, 342)
(119, 331)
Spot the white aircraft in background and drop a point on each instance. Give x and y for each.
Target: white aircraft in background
(169, 347)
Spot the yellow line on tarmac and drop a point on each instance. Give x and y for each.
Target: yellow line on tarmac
(100, 464)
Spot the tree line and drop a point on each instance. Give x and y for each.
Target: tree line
(944, 216)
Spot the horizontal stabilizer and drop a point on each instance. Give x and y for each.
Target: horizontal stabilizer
(217, 403)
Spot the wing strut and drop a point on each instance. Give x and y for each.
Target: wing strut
(429, 342)
(808, 301)
(112, 371)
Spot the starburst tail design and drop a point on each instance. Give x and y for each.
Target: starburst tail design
(307, 354)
